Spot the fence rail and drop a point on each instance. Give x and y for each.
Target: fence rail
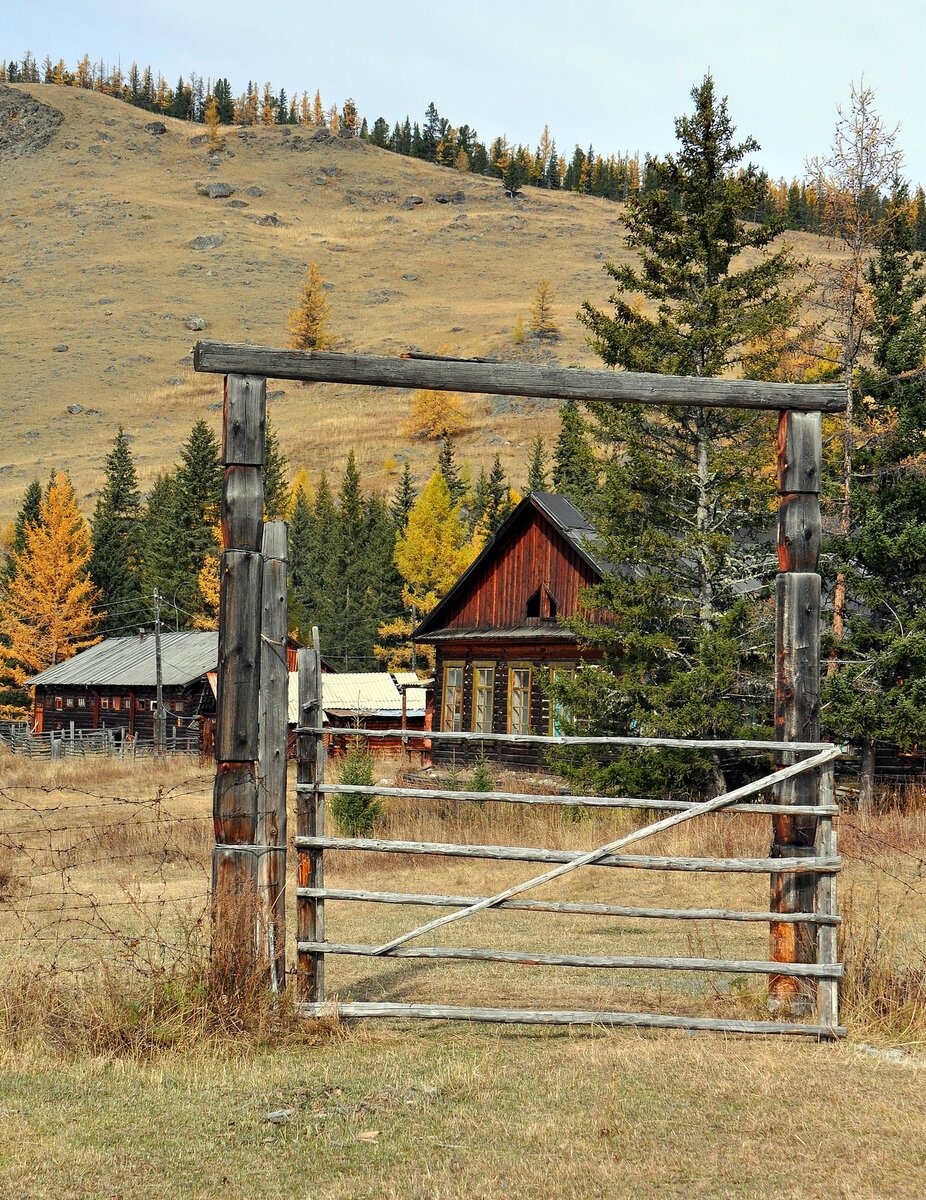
(113, 743)
(820, 862)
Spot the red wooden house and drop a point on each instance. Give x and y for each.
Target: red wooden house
(498, 634)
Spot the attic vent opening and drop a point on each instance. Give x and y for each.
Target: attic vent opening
(541, 606)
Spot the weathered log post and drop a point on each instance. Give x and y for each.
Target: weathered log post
(274, 704)
(310, 822)
(797, 679)
(235, 933)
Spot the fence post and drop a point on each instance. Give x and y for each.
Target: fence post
(797, 680)
(827, 935)
(235, 938)
(310, 822)
(274, 705)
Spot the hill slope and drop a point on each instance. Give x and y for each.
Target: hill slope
(97, 218)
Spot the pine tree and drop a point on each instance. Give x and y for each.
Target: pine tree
(500, 501)
(683, 482)
(47, 613)
(274, 476)
(116, 541)
(879, 691)
(301, 566)
(404, 498)
(196, 498)
(543, 324)
(537, 468)
(356, 816)
(446, 464)
(28, 515)
(575, 469)
(308, 321)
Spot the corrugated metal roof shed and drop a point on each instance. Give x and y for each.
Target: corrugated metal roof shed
(363, 693)
(130, 662)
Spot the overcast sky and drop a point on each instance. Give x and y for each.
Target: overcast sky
(613, 74)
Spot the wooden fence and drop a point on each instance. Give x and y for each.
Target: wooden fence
(113, 743)
(312, 945)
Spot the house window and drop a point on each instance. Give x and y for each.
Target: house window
(117, 703)
(81, 701)
(519, 699)
(559, 713)
(453, 698)
(104, 702)
(59, 703)
(483, 695)
(541, 606)
(139, 704)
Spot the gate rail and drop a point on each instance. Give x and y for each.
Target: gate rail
(311, 843)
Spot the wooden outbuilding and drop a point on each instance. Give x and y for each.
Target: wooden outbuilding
(498, 633)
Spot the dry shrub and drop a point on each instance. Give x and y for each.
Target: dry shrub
(883, 991)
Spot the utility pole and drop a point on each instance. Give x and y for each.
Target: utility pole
(159, 730)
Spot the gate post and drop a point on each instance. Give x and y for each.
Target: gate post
(235, 933)
(310, 822)
(274, 706)
(797, 677)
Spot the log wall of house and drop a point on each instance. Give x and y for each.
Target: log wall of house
(536, 555)
(57, 708)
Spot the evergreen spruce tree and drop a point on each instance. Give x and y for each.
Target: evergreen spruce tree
(879, 691)
(28, 514)
(301, 566)
(163, 565)
(446, 464)
(575, 468)
(499, 499)
(274, 476)
(403, 499)
(681, 483)
(481, 499)
(116, 543)
(537, 468)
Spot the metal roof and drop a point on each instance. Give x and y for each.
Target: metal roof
(130, 662)
(363, 693)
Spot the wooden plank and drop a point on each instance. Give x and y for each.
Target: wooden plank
(234, 803)
(712, 805)
(580, 908)
(244, 419)
(800, 450)
(242, 513)
(310, 827)
(513, 379)
(236, 733)
(273, 735)
(826, 903)
(622, 962)
(648, 862)
(760, 747)
(524, 1016)
(558, 800)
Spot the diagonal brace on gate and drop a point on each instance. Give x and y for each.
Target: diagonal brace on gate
(716, 802)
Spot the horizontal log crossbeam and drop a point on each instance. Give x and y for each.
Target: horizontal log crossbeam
(359, 789)
(577, 908)
(647, 862)
(513, 379)
(527, 1016)
(628, 962)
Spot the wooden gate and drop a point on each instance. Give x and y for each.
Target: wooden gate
(248, 811)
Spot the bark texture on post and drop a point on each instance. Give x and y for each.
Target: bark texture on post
(310, 822)
(235, 860)
(797, 680)
(274, 703)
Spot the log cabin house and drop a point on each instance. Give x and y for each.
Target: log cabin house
(112, 685)
(498, 634)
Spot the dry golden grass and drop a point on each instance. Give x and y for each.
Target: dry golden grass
(95, 252)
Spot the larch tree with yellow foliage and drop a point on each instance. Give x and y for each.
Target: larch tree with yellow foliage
(431, 554)
(436, 415)
(308, 321)
(47, 611)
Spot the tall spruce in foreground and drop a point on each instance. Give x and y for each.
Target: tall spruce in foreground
(879, 690)
(682, 486)
(575, 468)
(116, 543)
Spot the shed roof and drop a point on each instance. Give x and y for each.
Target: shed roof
(363, 693)
(130, 662)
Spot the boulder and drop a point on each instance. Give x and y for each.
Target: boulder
(217, 191)
(253, 190)
(209, 241)
(157, 128)
(456, 197)
(196, 324)
(412, 201)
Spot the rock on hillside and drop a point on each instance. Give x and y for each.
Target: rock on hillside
(26, 125)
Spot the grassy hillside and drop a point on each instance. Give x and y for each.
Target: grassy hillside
(96, 228)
